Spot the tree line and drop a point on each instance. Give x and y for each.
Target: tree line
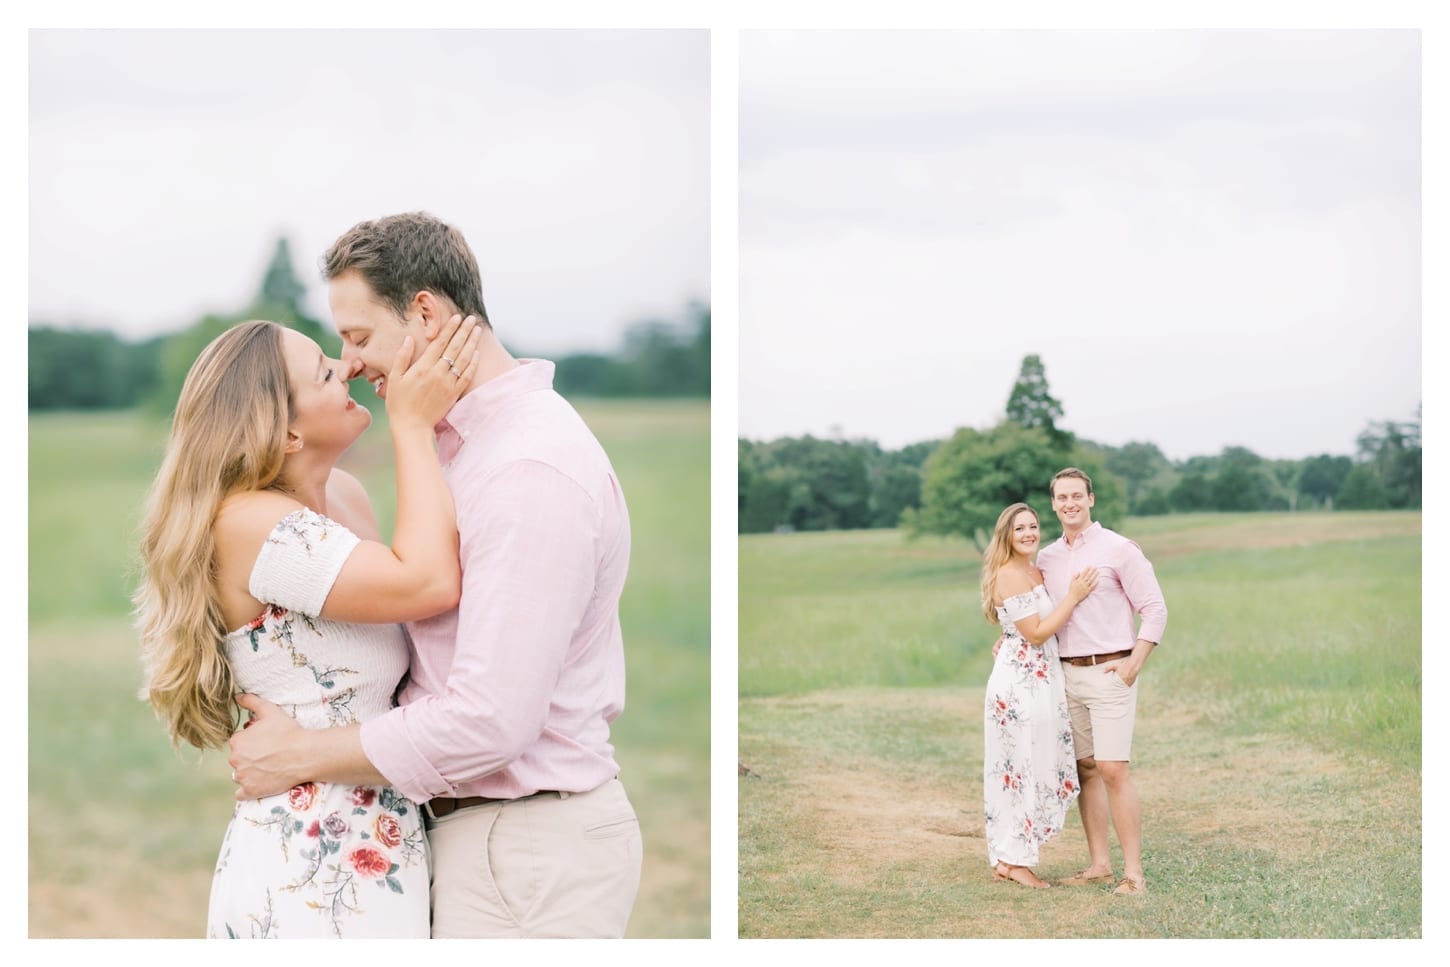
(959, 485)
(77, 368)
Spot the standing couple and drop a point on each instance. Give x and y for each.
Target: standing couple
(1063, 691)
(452, 780)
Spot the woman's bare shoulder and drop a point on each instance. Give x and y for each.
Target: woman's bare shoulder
(254, 508)
(1012, 582)
(244, 521)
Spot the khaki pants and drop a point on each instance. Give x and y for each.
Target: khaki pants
(552, 865)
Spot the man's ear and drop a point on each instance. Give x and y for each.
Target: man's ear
(430, 313)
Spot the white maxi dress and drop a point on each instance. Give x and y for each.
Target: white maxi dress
(1029, 770)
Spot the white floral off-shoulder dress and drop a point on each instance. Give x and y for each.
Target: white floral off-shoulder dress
(322, 859)
(1030, 772)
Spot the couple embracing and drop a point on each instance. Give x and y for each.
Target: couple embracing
(1062, 696)
(427, 751)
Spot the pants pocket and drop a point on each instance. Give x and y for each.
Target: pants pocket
(619, 826)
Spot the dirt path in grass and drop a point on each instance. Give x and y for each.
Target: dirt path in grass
(877, 828)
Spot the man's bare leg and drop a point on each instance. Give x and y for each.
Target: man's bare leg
(1092, 804)
(1127, 816)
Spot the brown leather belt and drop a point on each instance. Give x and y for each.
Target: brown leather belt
(441, 806)
(1085, 660)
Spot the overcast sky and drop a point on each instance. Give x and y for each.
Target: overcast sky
(1211, 238)
(164, 165)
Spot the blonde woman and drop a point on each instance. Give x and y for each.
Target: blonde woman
(263, 572)
(1030, 773)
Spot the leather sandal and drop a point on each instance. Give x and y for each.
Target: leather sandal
(1082, 878)
(1128, 886)
(1008, 873)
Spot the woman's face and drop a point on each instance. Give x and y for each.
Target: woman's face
(1024, 533)
(328, 419)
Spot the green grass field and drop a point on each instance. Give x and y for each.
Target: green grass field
(1277, 750)
(124, 830)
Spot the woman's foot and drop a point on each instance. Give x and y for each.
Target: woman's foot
(1019, 874)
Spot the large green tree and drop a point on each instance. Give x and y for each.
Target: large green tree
(974, 475)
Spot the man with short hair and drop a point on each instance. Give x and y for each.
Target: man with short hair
(503, 725)
(1101, 656)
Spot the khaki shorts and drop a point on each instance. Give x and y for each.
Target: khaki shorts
(551, 865)
(1102, 710)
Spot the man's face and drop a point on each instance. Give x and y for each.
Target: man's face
(1072, 502)
(371, 332)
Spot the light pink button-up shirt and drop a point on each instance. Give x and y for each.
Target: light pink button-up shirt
(513, 691)
(1103, 621)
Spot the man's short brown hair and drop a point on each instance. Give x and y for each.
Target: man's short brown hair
(1069, 472)
(400, 255)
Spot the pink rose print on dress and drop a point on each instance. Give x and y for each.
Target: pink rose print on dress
(363, 795)
(300, 798)
(369, 862)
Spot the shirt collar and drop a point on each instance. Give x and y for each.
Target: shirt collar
(484, 402)
(1086, 531)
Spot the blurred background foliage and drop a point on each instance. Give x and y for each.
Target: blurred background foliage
(73, 368)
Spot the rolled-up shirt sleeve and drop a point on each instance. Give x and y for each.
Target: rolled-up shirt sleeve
(529, 543)
(1140, 585)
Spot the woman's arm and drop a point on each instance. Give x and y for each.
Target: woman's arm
(418, 575)
(1036, 630)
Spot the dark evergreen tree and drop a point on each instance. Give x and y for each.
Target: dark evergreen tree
(1031, 406)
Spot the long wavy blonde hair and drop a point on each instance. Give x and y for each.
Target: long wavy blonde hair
(227, 436)
(998, 553)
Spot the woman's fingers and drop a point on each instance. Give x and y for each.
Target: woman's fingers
(469, 363)
(404, 356)
(456, 352)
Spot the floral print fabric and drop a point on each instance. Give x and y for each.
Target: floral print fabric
(322, 859)
(1030, 772)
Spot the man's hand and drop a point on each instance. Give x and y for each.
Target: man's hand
(1128, 668)
(1124, 668)
(260, 750)
(998, 646)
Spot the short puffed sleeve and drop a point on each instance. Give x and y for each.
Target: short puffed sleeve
(1020, 606)
(300, 560)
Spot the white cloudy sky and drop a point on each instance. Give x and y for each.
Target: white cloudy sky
(1211, 237)
(164, 164)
